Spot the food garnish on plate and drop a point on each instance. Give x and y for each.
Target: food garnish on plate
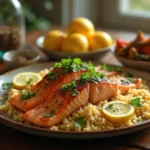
(138, 49)
(78, 96)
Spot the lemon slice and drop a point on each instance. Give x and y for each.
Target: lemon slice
(118, 111)
(21, 80)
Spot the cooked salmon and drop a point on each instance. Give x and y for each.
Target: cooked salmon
(124, 84)
(44, 90)
(106, 89)
(55, 109)
(103, 90)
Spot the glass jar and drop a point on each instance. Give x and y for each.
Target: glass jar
(12, 27)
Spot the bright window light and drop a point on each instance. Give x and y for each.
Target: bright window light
(139, 8)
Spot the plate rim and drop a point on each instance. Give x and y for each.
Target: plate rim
(8, 121)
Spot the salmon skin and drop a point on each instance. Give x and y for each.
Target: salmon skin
(106, 89)
(45, 89)
(55, 109)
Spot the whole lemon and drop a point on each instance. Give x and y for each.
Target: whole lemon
(81, 25)
(100, 39)
(53, 40)
(75, 42)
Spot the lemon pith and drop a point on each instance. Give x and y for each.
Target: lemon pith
(118, 111)
(21, 80)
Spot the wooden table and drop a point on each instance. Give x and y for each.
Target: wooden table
(11, 139)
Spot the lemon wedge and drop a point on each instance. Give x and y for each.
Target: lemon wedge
(118, 111)
(21, 80)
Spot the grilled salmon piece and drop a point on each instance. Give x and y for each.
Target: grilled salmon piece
(44, 90)
(103, 90)
(106, 89)
(54, 110)
(125, 86)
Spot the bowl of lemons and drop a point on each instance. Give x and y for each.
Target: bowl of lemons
(79, 40)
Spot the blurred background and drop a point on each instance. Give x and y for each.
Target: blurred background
(130, 15)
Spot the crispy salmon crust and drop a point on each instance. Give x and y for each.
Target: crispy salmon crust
(44, 90)
(62, 105)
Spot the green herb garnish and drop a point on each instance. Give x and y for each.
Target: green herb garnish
(110, 68)
(7, 86)
(29, 81)
(136, 102)
(85, 77)
(128, 80)
(97, 76)
(28, 95)
(110, 106)
(52, 76)
(2, 101)
(75, 93)
(73, 65)
(52, 113)
(80, 122)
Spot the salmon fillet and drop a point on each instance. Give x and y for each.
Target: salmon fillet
(44, 90)
(103, 90)
(61, 105)
(106, 89)
(124, 85)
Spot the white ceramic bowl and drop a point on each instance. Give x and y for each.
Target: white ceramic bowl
(83, 55)
(136, 64)
(10, 56)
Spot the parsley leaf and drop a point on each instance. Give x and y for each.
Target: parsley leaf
(75, 93)
(110, 68)
(136, 102)
(51, 114)
(52, 76)
(97, 76)
(28, 95)
(128, 80)
(7, 86)
(80, 122)
(85, 77)
(29, 81)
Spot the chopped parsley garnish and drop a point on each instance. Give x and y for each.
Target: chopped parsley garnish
(85, 77)
(52, 76)
(136, 102)
(29, 81)
(97, 76)
(2, 101)
(110, 68)
(28, 95)
(80, 122)
(7, 86)
(70, 87)
(51, 114)
(75, 93)
(91, 76)
(128, 80)
(110, 106)
(73, 65)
